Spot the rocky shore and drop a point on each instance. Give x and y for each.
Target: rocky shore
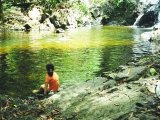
(126, 93)
(26, 16)
(69, 15)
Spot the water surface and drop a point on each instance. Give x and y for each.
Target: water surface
(78, 55)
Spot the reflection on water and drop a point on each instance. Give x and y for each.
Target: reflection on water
(78, 55)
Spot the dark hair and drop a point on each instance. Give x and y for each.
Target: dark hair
(50, 69)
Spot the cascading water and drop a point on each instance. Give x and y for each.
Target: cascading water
(159, 17)
(149, 17)
(149, 13)
(137, 20)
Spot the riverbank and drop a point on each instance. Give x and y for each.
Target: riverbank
(58, 16)
(126, 93)
(36, 16)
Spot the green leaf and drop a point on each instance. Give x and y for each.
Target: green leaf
(152, 71)
(15, 105)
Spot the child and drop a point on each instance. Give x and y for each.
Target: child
(51, 81)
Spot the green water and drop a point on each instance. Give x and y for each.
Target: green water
(78, 55)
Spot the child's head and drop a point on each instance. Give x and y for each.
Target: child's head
(50, 69)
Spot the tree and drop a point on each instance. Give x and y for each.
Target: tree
(1, 11)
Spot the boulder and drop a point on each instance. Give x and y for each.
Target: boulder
(27, 27)
(59, 30)
(43, 17)
(148, 19)
(109, 84)
(35, 14)
(54, 21)
(131, 73)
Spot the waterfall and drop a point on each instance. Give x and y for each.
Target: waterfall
(148, 9)
(137, 20)
(159, 17)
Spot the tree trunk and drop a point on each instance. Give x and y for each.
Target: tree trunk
(1, 11)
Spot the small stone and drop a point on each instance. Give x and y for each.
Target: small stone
(43, 117)
(158, 107)
(59, 30)
(112, 90)
(139, 104)
(129, 87)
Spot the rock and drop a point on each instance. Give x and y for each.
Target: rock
(31, 98)
(144, 116)
(157, 90)
(131, 73)
(112, 90)
(146, 36)
(136, 73)
(139, 105)
(54, 21)
(43, 117)
(105, 20)
(27, 27)
(35, 14)
(47, 25)
(59, 30)
(17, 27)
(113, 23)
(109, 84)
(148, 19)
(63, 26)
(72, 20)
(150, 84)
(122, 67)
(129, 87)
(122, 76)
(149, 12)
(111, 76)
(43, 17)
(96, 12)
(144, 90)
(127, 73)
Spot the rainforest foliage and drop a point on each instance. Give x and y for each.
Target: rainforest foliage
(120, 10)
(123, 11)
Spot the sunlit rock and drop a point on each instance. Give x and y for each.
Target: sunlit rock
(146, 36)
(35, 14)
(27, 27)
(59, 30)
(47, 25)
(71, 19)
(131, 73)
(54, 20)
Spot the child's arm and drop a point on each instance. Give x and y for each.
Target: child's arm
(46, 85)
(46, 88)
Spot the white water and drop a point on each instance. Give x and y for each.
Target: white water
(137, 20)
(147, 2)
(150, 5)
(159, 17)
